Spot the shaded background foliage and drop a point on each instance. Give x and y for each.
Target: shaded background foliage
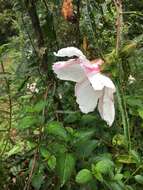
(45, 142)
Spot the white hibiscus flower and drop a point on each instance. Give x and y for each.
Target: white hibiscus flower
(91, 87)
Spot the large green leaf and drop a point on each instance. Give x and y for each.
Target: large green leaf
(65, 167)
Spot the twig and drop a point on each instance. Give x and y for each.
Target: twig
(43, 114)
(78, 22)
(132, 12)
(119, 23)
(32, 11)
(27, 185)
(26, 30)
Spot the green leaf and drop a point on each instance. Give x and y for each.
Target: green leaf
(104, 166)
(85, 148)
(118, 177)
(83, 176)
(119, 139)
(140, 111)
(65, 167)
(126, 159)
(27, 122)
(135, 156)
(44, 152)
(98, 176)
(139, 179)
(57, 148)
(128, 187)
(38, 107)
(83, 135)
(115, 186)
(133, 101)
(88, 120)
(72, 118)
(56, 129)
(37, 181)
(15, 150)
(52, 162)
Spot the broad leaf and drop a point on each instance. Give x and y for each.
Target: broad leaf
(65, 167)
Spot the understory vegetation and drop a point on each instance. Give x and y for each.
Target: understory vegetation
(46, 143)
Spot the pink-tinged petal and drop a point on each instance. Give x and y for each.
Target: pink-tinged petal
(89, 67)
(100, 81)
(86, 97)
(106, 106)
(69, 52)
(69, 70)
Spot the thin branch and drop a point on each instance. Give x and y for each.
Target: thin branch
(31, 8)
(27, 185)
(78, 22)
(119, 23)
(26, 30)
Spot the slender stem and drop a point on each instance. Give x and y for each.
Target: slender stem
(124, 115)
(133, 173)
(32, 11)
(78, 22)
(120, 93)
(26, 30)
(119, 23)
(27, 185)
(133, 12)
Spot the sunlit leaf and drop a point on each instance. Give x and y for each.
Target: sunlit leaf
(83, 176)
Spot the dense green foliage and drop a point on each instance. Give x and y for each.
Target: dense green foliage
(45, 141)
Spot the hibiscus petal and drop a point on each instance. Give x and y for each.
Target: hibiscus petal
(69, 70)
(69, 52)
(100, 81)
(106, 106)
(86, 97)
